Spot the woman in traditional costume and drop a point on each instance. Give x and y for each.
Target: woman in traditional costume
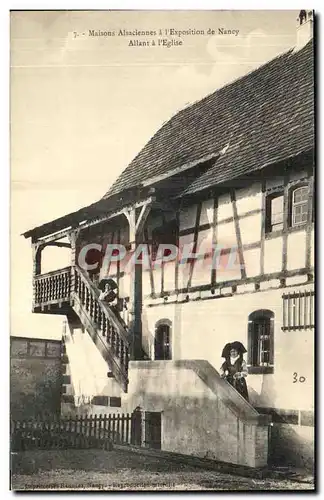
(234, 368)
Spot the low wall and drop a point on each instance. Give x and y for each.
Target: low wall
(35, 377)
(202, 415)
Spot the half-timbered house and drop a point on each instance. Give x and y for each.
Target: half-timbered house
(230, 177)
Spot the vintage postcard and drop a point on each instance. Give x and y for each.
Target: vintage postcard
(162, 250)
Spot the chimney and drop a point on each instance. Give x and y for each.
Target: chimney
(305, 22)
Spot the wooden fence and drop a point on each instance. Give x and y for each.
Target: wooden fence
(93, 431)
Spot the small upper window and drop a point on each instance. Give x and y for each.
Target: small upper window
(275, 213)
(299, 206)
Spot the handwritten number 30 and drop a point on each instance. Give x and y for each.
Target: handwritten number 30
(298, 379)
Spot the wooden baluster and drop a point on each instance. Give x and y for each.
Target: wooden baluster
(96, 312)
(117, 345)
(100, 315)
(68, 283)
(103, 324)
(113, 338)
(108, 327)
(51, 287)
(85, 297)
(87, 305)
(64, 292)
(57, 287)
(125, 359)
(91, 306)
(76, 282)
(121, 352)
(83, 293)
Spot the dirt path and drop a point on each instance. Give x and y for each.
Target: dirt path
(118, 470)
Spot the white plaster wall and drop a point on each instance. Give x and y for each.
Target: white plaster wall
(226, 236)
(169, 276)
(201, 329)
(312, 249)
(273, 255)
(87, 368)
(207, 212)
(248, 198)
(225, 209)
(252, 262)
(296, 250)
(250, 228)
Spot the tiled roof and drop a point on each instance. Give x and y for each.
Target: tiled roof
(261, 118)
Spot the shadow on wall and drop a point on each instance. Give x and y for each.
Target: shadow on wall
(262, 390)
(292, 445)
(147, 338)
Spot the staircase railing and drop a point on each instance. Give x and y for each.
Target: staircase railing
(103, 325)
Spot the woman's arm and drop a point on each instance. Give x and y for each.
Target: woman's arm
(244, 369)
(243, 372)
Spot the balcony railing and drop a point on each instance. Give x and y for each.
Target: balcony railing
(72, 287)
(53, 287)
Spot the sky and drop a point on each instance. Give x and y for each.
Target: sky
(82, 107)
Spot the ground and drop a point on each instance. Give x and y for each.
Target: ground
(124, 470)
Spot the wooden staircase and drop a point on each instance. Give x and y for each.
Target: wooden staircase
(70, 289)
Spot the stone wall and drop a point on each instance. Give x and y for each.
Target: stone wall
(35, 377)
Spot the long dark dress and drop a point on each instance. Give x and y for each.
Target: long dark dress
(238, 383)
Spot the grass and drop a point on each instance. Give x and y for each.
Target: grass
(123, 470)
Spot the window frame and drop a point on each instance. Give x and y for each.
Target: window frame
(271, 195)
(166, 323)
(252, 319)
(293, 204)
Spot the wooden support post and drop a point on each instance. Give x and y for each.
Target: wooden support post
(136, 227)
(73, 236)
(37, 258)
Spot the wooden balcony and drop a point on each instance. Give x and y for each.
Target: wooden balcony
(52, 291)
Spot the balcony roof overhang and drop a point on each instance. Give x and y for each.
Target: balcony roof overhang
(95, 213)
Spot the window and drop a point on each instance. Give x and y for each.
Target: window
(298, 310)
(260, 341)
(299, 203)
(274, 213)
(162, 344)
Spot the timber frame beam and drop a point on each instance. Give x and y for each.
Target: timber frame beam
(97, 220)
